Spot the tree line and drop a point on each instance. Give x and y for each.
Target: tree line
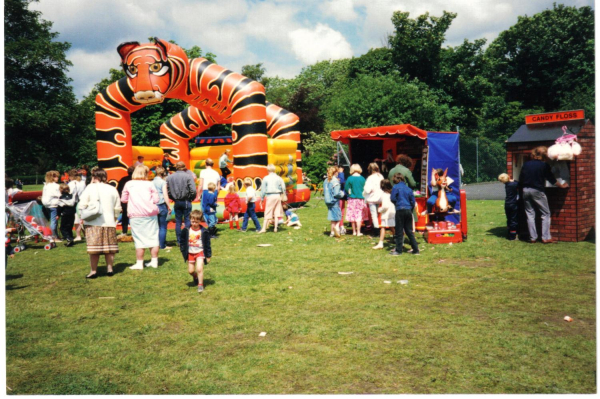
(545, 62)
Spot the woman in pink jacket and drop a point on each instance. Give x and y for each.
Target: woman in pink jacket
(141, 198)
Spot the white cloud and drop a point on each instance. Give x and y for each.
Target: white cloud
(90, 68)
(320, 43)
(341, 10)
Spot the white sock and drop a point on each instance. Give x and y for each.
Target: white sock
(140, 263)
(153, 263)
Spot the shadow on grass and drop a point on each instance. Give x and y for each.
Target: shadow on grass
(13, 276)
(498, 232)
(11, 287)
(207, 282)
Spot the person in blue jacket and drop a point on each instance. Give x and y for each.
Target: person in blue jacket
(404, 200)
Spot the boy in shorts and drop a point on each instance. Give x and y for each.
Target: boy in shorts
(199, 249)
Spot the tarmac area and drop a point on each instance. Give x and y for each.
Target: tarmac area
(485, 191)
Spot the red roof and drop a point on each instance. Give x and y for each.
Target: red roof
(375, 132)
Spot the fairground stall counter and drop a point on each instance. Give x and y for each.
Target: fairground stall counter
(573, 209)
(428, 150)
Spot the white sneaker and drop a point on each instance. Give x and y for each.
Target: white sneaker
(331, 234)
(77, 239)
(151, 265)
(378, 246)
(136, 267)
(343, 230)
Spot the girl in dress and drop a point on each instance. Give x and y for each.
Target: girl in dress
(387, 211)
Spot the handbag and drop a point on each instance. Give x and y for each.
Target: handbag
(93, 209)
(284, 197)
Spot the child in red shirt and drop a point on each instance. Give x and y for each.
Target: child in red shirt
(233, 206)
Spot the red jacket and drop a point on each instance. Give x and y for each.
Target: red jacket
(232, 203)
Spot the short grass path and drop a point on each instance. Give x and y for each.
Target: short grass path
(484, 316)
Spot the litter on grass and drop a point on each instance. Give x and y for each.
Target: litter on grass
(264, 245)
(568, 318)
(403, 282)
(345, 273)
(387, 282)
(106, 297)
(262, 334)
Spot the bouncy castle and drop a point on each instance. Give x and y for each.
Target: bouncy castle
(262, 132)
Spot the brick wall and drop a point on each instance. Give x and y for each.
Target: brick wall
(573, 209)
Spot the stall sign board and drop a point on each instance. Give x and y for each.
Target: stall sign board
(551, 117)
(424, 163)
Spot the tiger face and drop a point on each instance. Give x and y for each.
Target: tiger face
(148, 70)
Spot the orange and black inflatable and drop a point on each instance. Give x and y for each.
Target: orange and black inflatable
(216, 95)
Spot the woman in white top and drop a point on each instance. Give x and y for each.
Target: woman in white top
(101, 232)
(387, 211)
(372, 191)
(50, 196)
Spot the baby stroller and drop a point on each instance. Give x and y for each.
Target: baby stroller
(27, 222)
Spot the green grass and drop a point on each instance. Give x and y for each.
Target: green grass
(484, 316)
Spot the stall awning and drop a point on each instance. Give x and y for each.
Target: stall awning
(378, 132)
(548, 132)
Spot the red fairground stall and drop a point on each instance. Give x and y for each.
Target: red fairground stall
(428, 150)
(572, 210)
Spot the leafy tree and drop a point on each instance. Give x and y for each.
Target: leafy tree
(463, 72)
(378, 61)
(369, 101)
(548, 59)
(41, 113)
(417, 44)
(254, 72)
(317, 157)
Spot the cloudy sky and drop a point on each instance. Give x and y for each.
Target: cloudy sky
(283, 35)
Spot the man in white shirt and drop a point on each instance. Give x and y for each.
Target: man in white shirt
(208, 175)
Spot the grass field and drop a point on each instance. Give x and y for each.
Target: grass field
(484, 316)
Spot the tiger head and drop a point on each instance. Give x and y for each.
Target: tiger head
(153, 69)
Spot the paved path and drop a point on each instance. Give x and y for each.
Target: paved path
(485, 191)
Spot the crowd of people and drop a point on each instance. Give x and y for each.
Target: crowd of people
(371, 200)
(87, 207)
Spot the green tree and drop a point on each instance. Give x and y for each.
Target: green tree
(377, 61)
(317, 157)
(41, 113)
(370, 101)
(547, 59)
(255, 72)
(417, 44)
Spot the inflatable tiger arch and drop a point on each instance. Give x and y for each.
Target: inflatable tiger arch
(160, 70)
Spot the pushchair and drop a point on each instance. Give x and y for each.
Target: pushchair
(27, 221)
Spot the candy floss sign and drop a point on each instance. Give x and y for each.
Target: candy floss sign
(562, 116)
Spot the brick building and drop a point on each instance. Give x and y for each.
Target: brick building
(573, 209)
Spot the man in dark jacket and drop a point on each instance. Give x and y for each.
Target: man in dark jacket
(182, 190)
(120, 187)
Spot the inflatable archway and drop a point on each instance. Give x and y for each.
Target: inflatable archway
(160, 70)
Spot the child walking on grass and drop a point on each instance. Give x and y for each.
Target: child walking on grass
(199, 249)
(511, 205)
(388, 212)
(233, 205)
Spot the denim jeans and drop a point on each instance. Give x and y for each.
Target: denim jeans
(211, 219)
(182, 211)
(53, 221)
(250, 213)
(163, 214)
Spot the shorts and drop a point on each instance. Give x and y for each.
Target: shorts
(388, 222)
(193, 257)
